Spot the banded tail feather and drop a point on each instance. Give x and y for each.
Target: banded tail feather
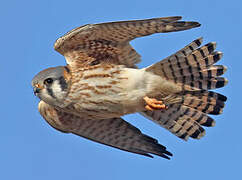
(189, 63)
(193, 71)
(184, 51)
(205, 101)
(185, 121)
(192, 68)
(180, 120)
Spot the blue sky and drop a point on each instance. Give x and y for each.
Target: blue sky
(31, 149)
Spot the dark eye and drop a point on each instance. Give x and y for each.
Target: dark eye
(48, 81)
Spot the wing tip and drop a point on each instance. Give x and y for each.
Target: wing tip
(195, 24)
(186, 24)
(165, 154)
(167, 19)
(157, 148)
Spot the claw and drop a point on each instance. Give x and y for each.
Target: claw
(153, 104)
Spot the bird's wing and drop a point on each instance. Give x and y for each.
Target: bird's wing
(51, 115)
(95, 43)
(112, 132)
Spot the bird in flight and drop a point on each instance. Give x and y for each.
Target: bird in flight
(101, 83)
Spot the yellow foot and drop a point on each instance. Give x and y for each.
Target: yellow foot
(153, 104)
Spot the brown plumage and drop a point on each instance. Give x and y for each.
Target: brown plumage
(101, 83)
(192, 70)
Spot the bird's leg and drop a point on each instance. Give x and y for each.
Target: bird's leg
(153, 104)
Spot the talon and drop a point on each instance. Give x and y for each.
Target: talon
(153, 104)
(148, 108)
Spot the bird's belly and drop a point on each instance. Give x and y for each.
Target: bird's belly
(105, 94)
(99, 109)
(108, 105)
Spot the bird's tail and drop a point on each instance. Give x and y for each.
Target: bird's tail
(193, 71)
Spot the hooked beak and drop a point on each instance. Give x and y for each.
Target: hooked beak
(36, 90)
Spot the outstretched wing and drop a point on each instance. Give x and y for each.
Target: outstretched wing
(112, 132)
(93, 43)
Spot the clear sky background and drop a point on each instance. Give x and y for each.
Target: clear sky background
(31, 149)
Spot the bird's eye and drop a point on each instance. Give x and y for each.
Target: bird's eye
(48, 81)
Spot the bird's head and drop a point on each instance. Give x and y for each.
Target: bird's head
(51, 85)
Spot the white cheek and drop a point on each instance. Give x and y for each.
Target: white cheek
(56, 88)
(58, 95)
(57, 91)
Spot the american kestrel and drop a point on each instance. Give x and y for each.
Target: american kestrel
(101, 83)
